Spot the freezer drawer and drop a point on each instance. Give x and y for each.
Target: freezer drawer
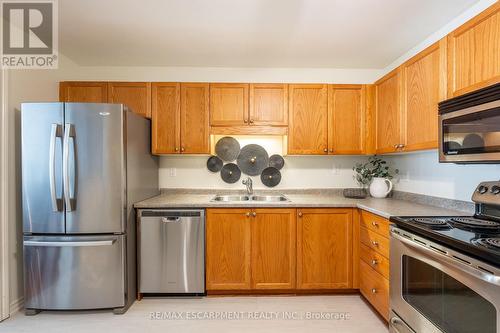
(172, 251)
(74, 273)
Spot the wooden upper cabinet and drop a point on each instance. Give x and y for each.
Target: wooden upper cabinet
(324, 248)
(194, 118)
(474, 53)
(165, 117)
(273, 248)
(268, 104)
(228, 104)
(228, 247)
(346, 119)
(83, 92)
(135, 95)
(308, 114)
(424, 85)
(388, 112)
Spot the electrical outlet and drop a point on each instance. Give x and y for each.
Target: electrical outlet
(173, 172)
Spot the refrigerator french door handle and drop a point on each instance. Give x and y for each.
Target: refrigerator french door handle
(69, 132)
(55, 132)
(70, 244)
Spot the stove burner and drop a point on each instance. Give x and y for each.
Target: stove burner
(488, 242)
(432, 223)
(475, 224)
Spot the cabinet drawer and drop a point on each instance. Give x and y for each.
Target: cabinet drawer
(375, 241)
(375, 223)
(377, 261)
(375, 288)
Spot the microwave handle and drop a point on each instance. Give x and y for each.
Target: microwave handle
(487, 277)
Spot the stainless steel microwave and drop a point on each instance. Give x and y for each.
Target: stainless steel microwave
(469, 127)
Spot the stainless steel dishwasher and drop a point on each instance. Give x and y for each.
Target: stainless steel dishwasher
(172, 252)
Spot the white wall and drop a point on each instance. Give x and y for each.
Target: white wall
(298, 172)
(421, 173)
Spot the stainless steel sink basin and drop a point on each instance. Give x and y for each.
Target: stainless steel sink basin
(259, 198)
(231, 198)
(269, 198)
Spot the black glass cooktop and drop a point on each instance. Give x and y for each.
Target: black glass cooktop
(478, 238)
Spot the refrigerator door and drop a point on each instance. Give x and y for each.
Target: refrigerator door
(74, 272)
(41, 146)
(94, 168)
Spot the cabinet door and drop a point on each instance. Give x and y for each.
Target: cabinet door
(135, 95)
(228, 104)
(273, 248)
(324, 248)
(474, 53)
(228, 249)
(165, 117)
(269, 104)
(194, 129)
(423, 87)
(346, 119)
(388, 113)
(308, 126)
(83, 92)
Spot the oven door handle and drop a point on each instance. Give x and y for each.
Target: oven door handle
(487, 277)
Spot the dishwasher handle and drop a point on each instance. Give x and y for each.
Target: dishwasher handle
(171, 219)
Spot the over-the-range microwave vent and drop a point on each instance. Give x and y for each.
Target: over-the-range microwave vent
(478, 97)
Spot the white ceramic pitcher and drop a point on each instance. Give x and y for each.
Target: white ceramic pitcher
(380, 187)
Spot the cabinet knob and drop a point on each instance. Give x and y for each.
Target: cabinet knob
(248, 214)
(325, 150)
(176, 149)
(375, 243)
(300, 214)
(251, 121)
(182, 149)
(331, 150)
(374, 262)
(254, 214)
(375, 224)
(245, 121)
(374, 291)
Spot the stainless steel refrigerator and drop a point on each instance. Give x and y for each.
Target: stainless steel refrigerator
(83, 167)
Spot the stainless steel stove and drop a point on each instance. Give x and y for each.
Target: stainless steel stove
(445, 270)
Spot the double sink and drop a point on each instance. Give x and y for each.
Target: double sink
(256, 198)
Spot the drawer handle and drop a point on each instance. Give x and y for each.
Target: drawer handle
(374, 262)
(375, 224)
(170, 219)
(374, 291)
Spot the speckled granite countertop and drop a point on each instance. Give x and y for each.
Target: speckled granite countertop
(384, 207)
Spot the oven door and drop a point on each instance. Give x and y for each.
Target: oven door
(434, 289)
(470, 135)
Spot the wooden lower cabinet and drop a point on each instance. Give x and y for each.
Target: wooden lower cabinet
(250, 249)
(228, 248)
(374, 263)
(324, 248)
(273, 248)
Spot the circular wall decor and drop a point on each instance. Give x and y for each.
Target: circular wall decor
(230, 173)
(253, 159)
(227, 148)
(270, 177)
(214, 163)
(276, 161)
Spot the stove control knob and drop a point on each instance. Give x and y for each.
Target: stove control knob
(482, 189)
(495, 189)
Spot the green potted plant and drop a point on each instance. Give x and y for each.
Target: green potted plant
(376, 174)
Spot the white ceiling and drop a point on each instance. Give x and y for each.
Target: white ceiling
(249, 33)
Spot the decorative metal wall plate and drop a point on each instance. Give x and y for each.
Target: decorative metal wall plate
(276, 161)
(252, 159)
(214, 164)
(227, 148)
(270, 177)
(230, 173)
